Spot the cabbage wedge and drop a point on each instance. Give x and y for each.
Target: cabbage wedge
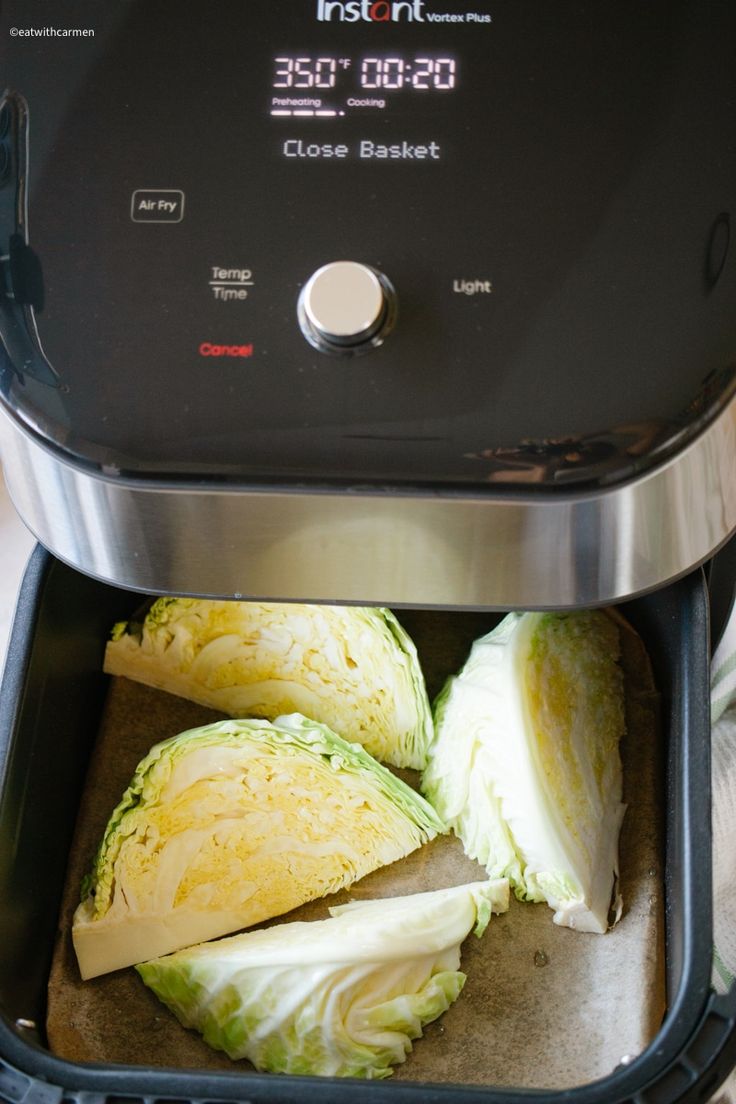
(352, 668)
(227, 825)
(525, 766)
(341, 997)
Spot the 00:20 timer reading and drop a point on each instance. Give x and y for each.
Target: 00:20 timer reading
(387, 74)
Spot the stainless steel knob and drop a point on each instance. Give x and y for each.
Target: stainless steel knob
(345, 306)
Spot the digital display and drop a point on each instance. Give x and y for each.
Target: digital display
(385, 74)
(314, 85)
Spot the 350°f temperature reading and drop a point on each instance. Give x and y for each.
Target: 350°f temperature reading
(387, 74)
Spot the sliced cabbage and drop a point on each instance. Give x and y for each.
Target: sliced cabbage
(352, 668)
(230, 824)
(341, 997)
(525, 765)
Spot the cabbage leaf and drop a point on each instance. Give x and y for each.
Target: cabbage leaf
(352, 668)
(339, 997)
(525, 765)
(230, 824)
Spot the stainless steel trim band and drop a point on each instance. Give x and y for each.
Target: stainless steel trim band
(485, 551)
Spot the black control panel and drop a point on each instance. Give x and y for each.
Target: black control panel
(535, 199)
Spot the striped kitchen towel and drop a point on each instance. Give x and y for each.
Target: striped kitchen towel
(723, 717)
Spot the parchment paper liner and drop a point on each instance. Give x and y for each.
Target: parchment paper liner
(543, 1007)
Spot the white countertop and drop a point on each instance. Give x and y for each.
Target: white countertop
(15, 548)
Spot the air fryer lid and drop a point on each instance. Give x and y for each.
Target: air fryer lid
(543, 191)
(411, 302)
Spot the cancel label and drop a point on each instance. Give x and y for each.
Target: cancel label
(365, 150)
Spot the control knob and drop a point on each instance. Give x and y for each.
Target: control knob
(346, 308)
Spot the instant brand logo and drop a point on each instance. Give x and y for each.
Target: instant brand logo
(370, 11)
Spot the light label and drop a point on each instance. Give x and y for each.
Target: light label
(472, 287)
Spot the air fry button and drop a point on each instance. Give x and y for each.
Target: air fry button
(157, 205)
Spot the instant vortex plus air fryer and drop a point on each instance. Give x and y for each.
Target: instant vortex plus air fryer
(402, 302)
(419, 303)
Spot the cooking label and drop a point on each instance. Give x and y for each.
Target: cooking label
(230, 285)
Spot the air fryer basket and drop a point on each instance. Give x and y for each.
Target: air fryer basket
(52, 694)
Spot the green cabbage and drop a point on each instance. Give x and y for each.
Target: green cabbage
(352, 668)
(227, 825)
(338, 997)
(525, 766)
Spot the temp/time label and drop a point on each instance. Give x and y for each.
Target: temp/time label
(230, 285)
